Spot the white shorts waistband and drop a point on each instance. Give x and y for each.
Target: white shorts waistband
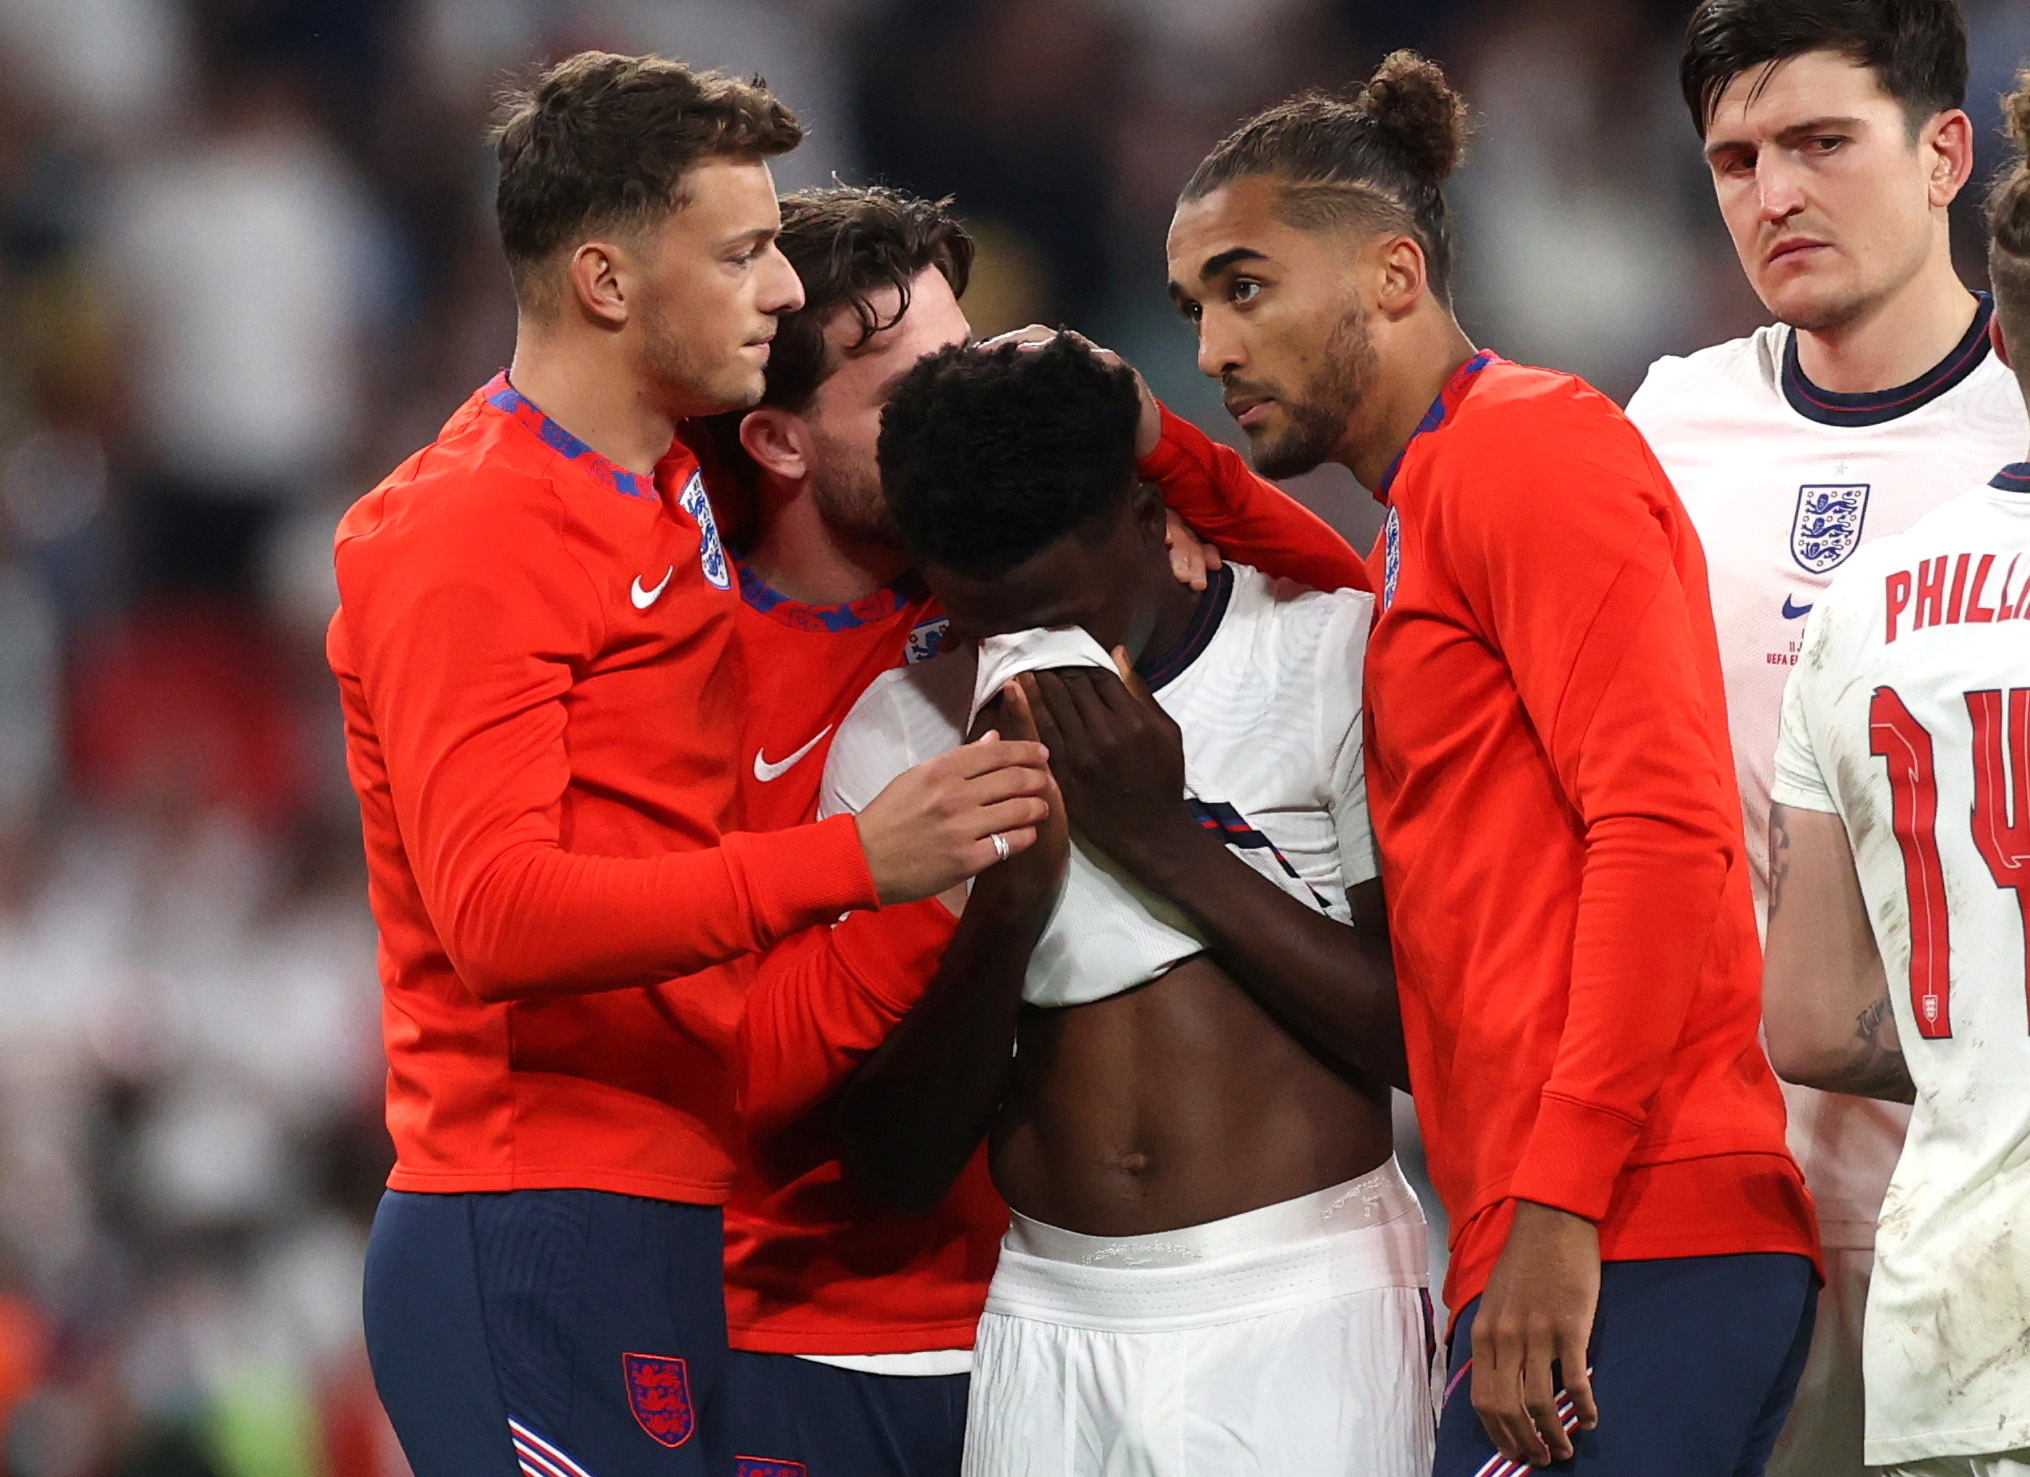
(1376, 1198)
(1357, 1237)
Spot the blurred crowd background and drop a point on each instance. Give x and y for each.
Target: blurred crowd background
(247, 263)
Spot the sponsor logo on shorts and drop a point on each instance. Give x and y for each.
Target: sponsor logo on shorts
(659, 1394)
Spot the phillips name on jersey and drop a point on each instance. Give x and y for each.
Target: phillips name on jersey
(1909, 716)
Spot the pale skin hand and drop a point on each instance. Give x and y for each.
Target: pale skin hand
(1538, 1309)
(933, 826)
(1825, 995)
(1149, 430)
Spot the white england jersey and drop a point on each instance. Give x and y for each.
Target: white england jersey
(1266, 688)
(1909, 716)
(1784, 481)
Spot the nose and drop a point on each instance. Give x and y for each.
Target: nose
(1218, 348)
(1778, 191)
(782, 290)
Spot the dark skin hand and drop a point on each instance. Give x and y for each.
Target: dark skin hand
(1537, 1310)
(955, 1047)
(1118, 759)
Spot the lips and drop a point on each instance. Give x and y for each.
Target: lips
(1792, 249)
(1247, 410)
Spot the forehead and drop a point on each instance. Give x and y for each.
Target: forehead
(1235, 217)
(729, 193)
(1765, 100)
(933, 318)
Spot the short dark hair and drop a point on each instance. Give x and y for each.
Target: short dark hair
(847, 244)
(989, 456)
(601, 142)
(2009, 230)
(1375, 156)
(1918, 48)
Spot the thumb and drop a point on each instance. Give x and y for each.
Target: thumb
(1130, 678)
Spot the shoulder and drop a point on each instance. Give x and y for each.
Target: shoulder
(917, 710)
(1295, 612)
(1530, 446)
(1688, 392)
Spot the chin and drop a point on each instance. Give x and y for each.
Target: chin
(1811, 304)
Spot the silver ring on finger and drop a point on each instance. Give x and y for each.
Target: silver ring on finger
(1001, 848)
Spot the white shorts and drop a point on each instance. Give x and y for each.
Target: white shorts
(1295, 1338)
(2001, 1464)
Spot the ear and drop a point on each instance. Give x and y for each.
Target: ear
(598, 273)
(1403, 276)
(2000, 341)
(779, 441)
(1948, 145)
(1145, 507)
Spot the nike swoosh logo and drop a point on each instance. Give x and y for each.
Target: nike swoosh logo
(1794, 612)
(644, 598)
(764, 771)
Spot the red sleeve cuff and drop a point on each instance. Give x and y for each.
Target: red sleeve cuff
(1574, 1157)
(804, 876)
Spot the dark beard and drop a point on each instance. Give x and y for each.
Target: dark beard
(1318, 421)
(852, 504)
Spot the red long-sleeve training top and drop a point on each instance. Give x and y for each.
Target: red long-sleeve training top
(535, 652)
(812, 1267)
(1549, 775)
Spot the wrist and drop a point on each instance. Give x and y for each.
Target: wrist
(1170, 858)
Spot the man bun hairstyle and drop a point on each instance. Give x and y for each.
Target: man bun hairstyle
(601, 142)
(2009, 228)
(1374, 157)
(1918, 48)
(848, 244)
(989, 456)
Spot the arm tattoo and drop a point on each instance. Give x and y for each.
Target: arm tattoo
(1779, 856)
(1876, 1068)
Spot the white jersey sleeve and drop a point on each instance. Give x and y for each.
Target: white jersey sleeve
(1800, 781)
(905, 716)
(1342, 656)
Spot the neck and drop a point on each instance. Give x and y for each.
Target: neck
(799, 554)
(1895, 340)
(1176, 604)
(1428, 354)
(578, 384)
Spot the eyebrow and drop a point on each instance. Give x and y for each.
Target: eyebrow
(1790, 135)
(1214, 265)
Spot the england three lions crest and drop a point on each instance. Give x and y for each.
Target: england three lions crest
(1827, 527)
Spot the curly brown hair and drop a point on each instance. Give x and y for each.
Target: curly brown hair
(601, 142)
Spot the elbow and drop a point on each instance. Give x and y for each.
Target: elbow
(497, 981)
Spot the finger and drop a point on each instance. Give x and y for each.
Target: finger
(1498, 1393)
(1021, 722)
(1585, 1411)
(1064, 715)
(1040, 714)
(983, 853)
(997, 785)
(1187, 555)
(1213, 559)
(1009, 815)
(1132, 679)
(990, 752)
(1093, 710)
(1033, 333)
(1545, 1432)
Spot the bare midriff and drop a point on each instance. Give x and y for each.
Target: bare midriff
(1174, 1104)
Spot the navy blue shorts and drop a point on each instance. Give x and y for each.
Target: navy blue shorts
(791, 1417)
(1695, 1361)
(549, 1333)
